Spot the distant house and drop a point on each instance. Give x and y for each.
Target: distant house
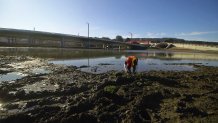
(143, 42)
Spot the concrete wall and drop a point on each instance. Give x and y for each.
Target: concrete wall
(59, 42)
(196, 47)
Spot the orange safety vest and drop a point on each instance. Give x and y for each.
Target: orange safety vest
(131, 61)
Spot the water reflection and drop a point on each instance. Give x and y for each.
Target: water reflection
(148, 59)
(58, 53)
(117, 64)
(11, 76)
(40, 71)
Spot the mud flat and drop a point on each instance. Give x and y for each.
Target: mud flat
(64, 94)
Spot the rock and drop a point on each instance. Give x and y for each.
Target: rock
(141, 115)
(73, 67)
(31, 103)
(20, 94)
(19, 118)
(84, 66)
(182, 104)
(87, 118)
(11, 106)
(118, 74)
(124, 80)
(103, 101)
(152, 100)
(109, 117)
(106, 83)
(191, 111)
(139, 84)
(80, 107)
(4, 92)
(102, 64)
(80, 118)
(162, 45)
(121, 92)
(188, 98)
(170, 46)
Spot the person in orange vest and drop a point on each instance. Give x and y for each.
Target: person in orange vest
(131, 62)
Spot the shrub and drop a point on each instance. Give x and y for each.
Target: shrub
(110, 89)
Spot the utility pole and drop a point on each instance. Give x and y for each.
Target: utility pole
(89, 43)
(88, 34)
(130, 34)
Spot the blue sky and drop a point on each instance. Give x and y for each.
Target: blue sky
(187, 19)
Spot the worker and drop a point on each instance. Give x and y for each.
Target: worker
(131, 62)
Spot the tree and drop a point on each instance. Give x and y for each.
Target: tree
(169, 40)
(127, 39)
(106, 38)
(119, 38)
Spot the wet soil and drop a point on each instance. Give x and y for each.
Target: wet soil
(69, 95)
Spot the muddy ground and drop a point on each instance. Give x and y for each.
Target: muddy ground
(67, 95)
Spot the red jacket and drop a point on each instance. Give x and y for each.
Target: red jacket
(131, 61)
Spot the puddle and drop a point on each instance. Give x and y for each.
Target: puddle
(1, 108)
(27, 64)
(40, 71)
(3, 69)
(40, 86)
(102, 65)
(148, 61)
(11, 76)
(12, 92)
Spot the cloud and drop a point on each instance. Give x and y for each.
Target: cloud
(195, 33)
(154, 35)
(193, 38)
(134, 35)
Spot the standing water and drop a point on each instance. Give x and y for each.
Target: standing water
(11, 76)
(99, 61)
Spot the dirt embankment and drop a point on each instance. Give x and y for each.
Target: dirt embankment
(68, 95)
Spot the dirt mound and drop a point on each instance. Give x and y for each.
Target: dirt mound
(154, 96)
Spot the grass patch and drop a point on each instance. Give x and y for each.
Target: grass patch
(110, 89)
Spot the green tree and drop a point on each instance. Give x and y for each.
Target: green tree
(127, 39)
(106, 38)
(169, 40)
(119, 38)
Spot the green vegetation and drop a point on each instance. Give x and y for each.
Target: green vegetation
(119, 38)
(110, 89)
(127, 39)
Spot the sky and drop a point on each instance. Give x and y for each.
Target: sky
(186, 19)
